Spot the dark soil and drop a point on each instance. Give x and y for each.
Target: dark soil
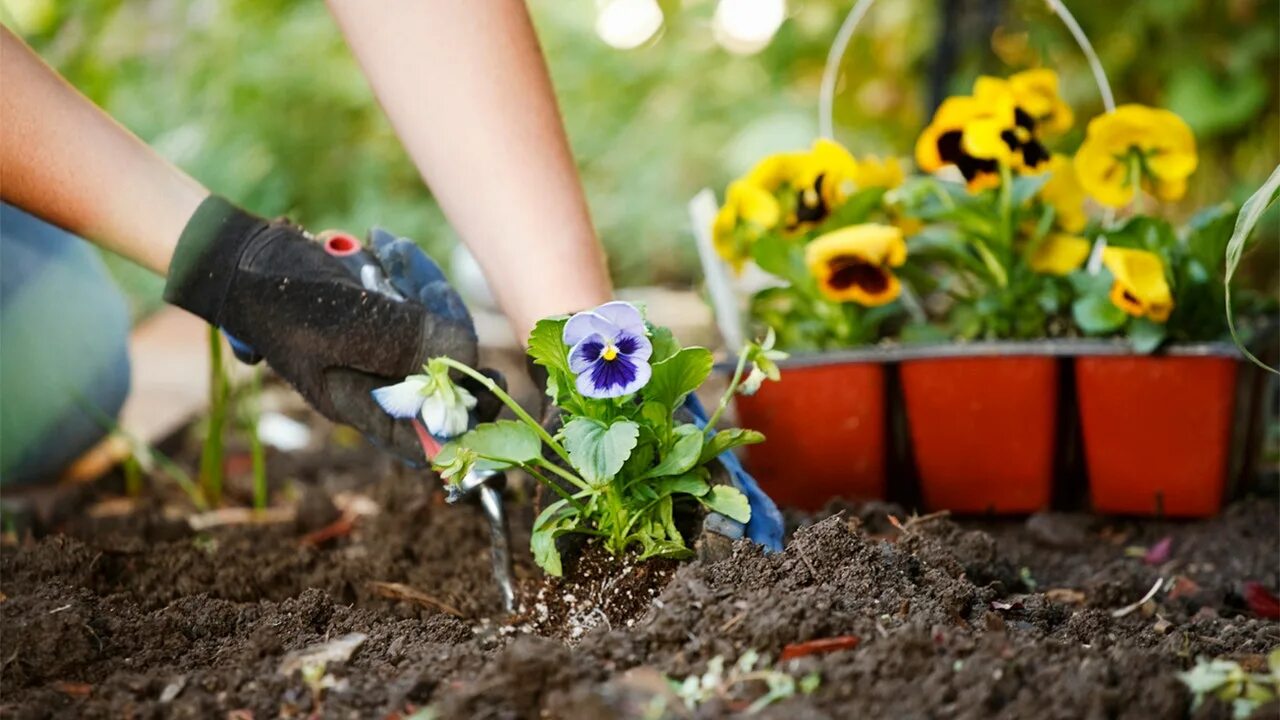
(136, 615)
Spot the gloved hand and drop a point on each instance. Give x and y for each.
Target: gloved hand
(718, 531)
(273, 288)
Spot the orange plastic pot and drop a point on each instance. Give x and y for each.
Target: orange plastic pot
(983, 431)
(1157, 432)
(825, 433)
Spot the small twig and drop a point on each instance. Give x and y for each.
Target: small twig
(1130, 608)
(400, 591)
(819, 646)
(733, 621)
(338, 528)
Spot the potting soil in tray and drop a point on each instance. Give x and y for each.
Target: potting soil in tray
(139, 616)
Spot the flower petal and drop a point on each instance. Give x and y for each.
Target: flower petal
(435, 415)
(585, 324)
(613, 378)
(586, 353)
(634, 346)
(1059, 254)
(402, 400)
(623, 315)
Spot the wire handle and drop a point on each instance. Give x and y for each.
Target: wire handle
(830, 74)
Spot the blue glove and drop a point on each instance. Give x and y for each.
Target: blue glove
(765, 526)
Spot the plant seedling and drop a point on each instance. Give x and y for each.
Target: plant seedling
(624, 461)
(1230, 683)
(751, 669)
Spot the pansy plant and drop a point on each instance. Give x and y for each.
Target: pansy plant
(821, 222)
(624, 462)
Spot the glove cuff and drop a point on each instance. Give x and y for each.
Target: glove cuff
(208, 255)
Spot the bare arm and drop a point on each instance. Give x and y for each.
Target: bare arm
(64, 160)
(467, 91)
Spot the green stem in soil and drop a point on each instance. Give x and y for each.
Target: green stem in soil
(618, 538)
(507, 400)
(729, 391)
(132, 476)
(211, 457)
(257, 452)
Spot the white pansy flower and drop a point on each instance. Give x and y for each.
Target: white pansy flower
(445, 408)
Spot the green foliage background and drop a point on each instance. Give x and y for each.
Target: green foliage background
(260, 100)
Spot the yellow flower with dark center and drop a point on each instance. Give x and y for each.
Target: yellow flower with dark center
(980, 133)
(1140, 288)
(942, 143)
(1009, 133)
(853, 264)
(1136, 146)
(1064, 193)
(748, 211)
(1059, 254)
(809, 185)
(1036, 94)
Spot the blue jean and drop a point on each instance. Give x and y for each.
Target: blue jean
(64, 364)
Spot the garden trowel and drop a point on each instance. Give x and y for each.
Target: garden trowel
(485, 484)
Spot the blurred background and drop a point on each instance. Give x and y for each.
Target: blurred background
(261, 101)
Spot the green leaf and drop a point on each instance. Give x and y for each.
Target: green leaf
(1246, 221)
(656, 415)
(1207, 234)
(728, 501)
(598, 451)
(502, 444)
(725, 440)
(774, 255)
(856, 209)
(546, 344)
(1097, 315)
(549, 525)
(1146, 335)
(679, 375)
(683, 454)
(923, 333)
(453, 462)
(1026, 186)
(688, 484)
(664, 343)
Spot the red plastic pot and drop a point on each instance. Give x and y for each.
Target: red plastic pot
(1157, 432)
(825, 433)
(983, 431)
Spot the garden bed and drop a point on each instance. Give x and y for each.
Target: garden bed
(135, 614)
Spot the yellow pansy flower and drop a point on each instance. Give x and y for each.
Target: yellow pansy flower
(747, 212)
(942, 143)
(809, 185)
(1059, 254)
(1008, 133)
(1065, 194)
(1036, 94)
(1140, 288)
(1136, 146)
(852, 264)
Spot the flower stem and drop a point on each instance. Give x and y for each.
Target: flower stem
(729, 391)
(574, 479)
(507, 400)
(554, 486)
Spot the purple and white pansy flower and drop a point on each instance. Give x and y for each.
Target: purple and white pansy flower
(445, 407)
(610, 350)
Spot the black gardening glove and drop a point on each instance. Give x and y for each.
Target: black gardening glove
(277, 292)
